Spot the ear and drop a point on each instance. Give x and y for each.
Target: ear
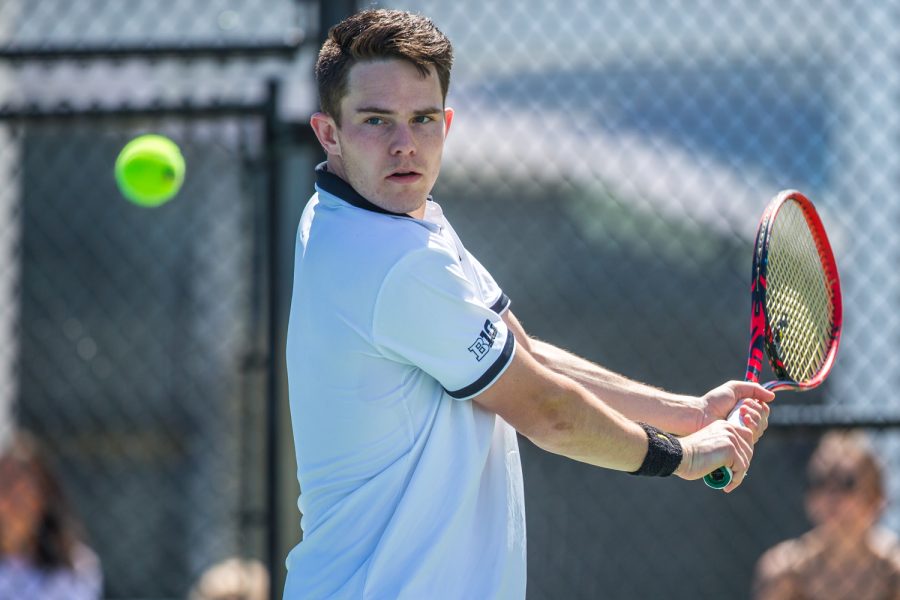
(325, 129)
(448, 118)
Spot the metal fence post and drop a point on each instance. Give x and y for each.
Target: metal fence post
(273, 383)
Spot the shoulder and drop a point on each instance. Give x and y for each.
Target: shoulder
(886, 547)
(86, 562)
(83, 581)
(423, 271)
(789, 556)
(780, 571)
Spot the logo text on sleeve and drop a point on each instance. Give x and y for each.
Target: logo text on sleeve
(484, 341)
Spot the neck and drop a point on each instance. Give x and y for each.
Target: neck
(336, 166)
(850, 544)
(334, 180)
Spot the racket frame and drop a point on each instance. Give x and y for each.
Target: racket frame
(762, 335)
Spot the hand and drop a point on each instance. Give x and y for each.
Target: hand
(719, 443)
(754, 412)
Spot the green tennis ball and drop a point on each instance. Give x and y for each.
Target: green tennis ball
(150, 170)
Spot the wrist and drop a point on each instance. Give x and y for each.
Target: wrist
(664, 453)
(687, 457)
(679, 413)
(692, 414)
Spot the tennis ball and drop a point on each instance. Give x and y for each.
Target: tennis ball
(150, 170)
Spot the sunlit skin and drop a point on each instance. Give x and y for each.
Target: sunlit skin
(390, 140)
(21, 508)
(845, 516)
(846, 554)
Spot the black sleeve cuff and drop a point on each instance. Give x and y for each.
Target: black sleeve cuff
(491, 374)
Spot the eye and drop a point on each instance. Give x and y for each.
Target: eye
(374, 121)
(423, 119)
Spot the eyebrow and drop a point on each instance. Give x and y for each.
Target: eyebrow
(384, 111)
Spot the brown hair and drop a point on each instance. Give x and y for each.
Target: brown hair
(57, 531)
(379, 34)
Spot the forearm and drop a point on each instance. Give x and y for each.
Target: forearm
(563, 417)
(639, 402)
(572, 422)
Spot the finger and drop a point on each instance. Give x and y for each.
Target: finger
(740, 467)
(739, 477)
(757, 417)
(745, 433)
(752, 419)
(748, 389)
(754, 416)
(744, 448)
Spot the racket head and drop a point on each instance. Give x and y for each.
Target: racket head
(797, 312)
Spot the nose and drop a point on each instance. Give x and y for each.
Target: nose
(403, 142)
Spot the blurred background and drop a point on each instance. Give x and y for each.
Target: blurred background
(608, 163)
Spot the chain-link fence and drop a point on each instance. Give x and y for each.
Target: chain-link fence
(136, 341)
(607, 163)
(138, 337)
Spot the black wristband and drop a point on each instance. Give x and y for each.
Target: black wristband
(664, 453)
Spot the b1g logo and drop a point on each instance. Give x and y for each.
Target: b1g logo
(485, 340)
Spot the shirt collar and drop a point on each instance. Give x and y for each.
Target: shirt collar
(334, 185)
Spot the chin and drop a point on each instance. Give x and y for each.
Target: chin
(402, 203)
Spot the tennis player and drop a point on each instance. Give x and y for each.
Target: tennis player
(408, 373)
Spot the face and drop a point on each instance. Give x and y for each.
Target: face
(21, 507)
(389, 143)
(844, 500)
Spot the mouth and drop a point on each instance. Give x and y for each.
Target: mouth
(404, 177)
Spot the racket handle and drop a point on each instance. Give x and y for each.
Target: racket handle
(722, 476)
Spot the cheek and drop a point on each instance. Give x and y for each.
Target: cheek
(363, 140)
(433, 139)
(841, 508)
(824, 507)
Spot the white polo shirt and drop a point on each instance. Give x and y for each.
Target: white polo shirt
(408, 488)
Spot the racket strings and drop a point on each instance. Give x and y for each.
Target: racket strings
(798, 300)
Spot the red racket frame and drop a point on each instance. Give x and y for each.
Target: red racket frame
(761, 334)
(762, 338)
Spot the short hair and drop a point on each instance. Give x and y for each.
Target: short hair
(379, 34)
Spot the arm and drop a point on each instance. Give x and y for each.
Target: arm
(562, 416)
(675, 413)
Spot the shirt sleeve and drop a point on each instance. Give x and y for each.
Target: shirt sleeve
(494, 297)
(429, 315)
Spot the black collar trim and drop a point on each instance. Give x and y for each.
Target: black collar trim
(336, 186)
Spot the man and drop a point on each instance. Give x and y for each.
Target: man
(846, 555)
(408, 373)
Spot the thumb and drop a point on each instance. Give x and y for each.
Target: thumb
(748, 389)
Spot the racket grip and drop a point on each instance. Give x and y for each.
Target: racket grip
(722, 476)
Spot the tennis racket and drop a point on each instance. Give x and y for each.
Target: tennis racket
(796, 309)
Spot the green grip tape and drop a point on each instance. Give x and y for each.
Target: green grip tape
(719, 478)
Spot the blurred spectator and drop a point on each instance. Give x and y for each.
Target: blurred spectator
(233, 579)
(42, 556)
(845, 555)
